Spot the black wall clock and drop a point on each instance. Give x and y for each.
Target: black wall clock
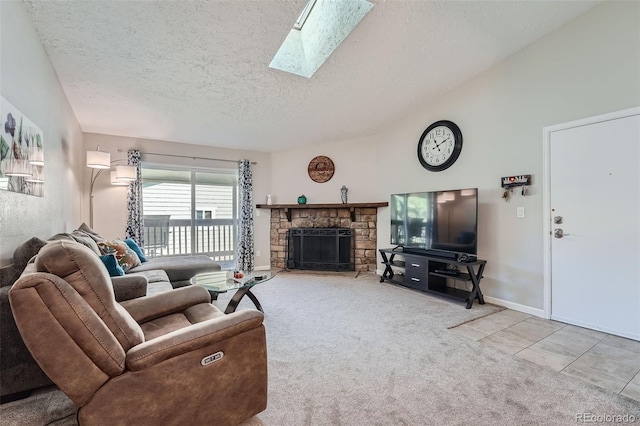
(440, 145)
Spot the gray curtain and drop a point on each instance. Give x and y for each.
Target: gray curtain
(244, 254)
(135, 227)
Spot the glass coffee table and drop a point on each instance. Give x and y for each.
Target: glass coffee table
(217, 282)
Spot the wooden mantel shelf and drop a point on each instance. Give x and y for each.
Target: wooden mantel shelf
(351, 206)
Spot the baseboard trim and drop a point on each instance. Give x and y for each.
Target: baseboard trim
(515, 306)
(504, 303)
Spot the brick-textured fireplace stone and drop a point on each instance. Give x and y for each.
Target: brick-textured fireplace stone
(364, 226)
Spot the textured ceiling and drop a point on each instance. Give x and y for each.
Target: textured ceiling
(197, 71)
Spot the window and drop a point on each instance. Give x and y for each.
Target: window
(317, 32)
(202, 210)
(206, 214)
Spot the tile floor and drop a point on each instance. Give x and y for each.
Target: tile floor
(610, 362)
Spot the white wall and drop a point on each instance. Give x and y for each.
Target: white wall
(110, 202)
(590, 66)
(29, 82)
(356, 167)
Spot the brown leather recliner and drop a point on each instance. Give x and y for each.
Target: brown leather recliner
(170, 358)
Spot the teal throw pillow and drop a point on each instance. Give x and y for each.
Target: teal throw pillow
(114, 268)
(135, 247)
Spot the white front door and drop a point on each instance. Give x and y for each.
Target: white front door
(594, 202)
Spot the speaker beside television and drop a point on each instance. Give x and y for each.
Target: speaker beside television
(438, 223)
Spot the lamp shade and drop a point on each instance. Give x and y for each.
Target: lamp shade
(116, 181)
(126, 173)
(98, 160)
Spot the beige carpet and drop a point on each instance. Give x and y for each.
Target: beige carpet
(353, 351)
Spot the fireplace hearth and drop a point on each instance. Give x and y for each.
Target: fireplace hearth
(320, 249)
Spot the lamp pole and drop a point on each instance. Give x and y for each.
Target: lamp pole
(94, 177)
(93, 181)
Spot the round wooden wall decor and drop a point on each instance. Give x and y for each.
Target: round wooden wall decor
(321, 169)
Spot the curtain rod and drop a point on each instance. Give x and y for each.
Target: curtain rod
(188, 156)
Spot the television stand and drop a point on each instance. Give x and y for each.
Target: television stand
(428, 273)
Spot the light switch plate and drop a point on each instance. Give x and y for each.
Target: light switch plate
(520, 212)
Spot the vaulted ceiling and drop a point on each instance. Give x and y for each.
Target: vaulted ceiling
(197, 71)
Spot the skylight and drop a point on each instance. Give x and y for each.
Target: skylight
(319, 30)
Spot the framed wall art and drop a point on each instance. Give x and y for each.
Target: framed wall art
(21, 152)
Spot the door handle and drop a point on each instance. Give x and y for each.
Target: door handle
(559, 233)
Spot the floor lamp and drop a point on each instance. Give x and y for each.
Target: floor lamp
(101, 161)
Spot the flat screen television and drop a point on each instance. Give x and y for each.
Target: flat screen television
(441, 223)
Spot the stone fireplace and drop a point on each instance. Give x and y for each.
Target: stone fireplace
(361, 218)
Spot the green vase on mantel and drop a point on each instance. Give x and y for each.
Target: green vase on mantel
(302, 199)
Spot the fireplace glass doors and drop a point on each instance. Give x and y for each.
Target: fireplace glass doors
(320, 249)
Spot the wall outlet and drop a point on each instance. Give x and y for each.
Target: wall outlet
(520, 212)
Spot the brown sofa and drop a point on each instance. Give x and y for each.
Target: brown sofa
(19, 373)
(170, 358)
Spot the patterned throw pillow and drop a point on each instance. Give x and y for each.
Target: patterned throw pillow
(126, 257)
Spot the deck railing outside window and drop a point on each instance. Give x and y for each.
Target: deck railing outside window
(211, 237)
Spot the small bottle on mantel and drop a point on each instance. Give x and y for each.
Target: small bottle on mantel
(269, 199)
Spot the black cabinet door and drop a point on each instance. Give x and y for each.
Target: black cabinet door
(416, 280)
(416, 276)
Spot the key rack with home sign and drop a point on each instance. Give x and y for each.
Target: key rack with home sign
(509, 183)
